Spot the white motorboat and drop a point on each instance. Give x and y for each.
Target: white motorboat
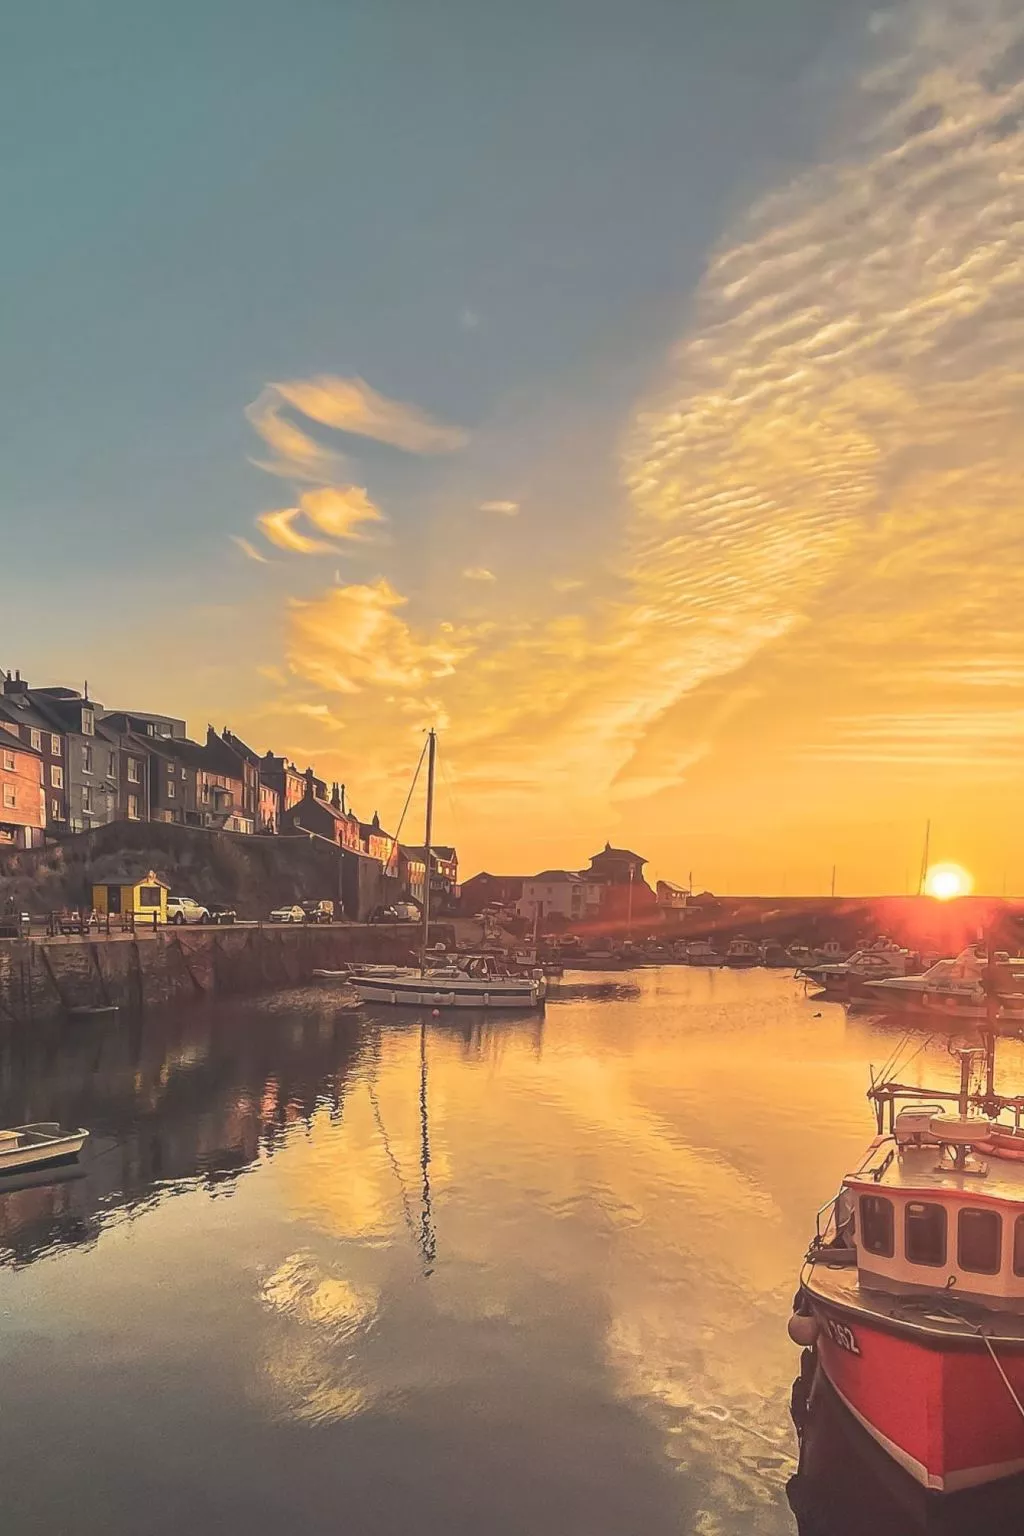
(701, 952)
(28, 1146)
(878, 962)
(957, 988)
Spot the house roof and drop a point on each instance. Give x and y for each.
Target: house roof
(19, 708)
(551, 876)
(617, 853)
(121, 877)
(418, 850)
(9, 739)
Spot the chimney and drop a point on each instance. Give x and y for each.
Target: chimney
(309, 783)
(336, 800)
(14, 684)
(343, 799)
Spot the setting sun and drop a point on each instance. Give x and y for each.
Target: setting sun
(944, 881)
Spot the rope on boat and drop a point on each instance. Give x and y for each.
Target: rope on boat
(1006, 1380)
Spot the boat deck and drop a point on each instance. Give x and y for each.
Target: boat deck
(921, 1169)
(926, 1312)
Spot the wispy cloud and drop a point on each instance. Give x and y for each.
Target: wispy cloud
(248, 549)
(478, 573)
(347, 405)
(279, 527)
(504, 508)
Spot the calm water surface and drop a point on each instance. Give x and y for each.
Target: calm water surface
(335, 1271)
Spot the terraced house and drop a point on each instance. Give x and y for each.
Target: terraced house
(22, 796)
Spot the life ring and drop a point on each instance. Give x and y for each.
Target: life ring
(1003, 1144)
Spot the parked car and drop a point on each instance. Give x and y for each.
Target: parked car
(184, 909)
(318, 911)
(290, 914)
(220, 913)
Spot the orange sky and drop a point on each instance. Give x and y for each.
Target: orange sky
(804, 638)
(788, 629)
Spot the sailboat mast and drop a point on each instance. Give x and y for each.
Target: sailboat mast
(924, 858)
(427, 834)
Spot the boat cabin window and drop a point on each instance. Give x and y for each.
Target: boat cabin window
(924, 1232)
(1018, 1246)
(876, 1225)
(979, 1241)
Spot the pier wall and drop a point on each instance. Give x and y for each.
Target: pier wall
(41, 980)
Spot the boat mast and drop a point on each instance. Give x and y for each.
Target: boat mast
(924, 858)
(427, 833)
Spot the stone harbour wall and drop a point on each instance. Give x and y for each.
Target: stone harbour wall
(42, 980)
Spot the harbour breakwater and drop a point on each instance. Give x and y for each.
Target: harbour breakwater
(42, 980)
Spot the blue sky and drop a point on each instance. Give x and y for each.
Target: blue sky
(508, 231)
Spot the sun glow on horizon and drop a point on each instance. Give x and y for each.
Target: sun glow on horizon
(946, 881)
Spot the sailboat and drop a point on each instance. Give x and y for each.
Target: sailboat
(473, 982)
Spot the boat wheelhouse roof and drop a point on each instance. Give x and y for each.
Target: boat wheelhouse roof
(918, 1170)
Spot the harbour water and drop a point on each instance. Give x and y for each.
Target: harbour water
(327, 1270)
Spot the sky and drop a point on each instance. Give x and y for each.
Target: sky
(631, 392)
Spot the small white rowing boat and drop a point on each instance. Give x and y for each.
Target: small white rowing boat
(27, 1146)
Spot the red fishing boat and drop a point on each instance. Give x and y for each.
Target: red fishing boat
(912, 1293)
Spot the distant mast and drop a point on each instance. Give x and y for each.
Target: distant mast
(427, 834)
(924, 858)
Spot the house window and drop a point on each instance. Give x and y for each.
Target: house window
(979, 1241)
(56, 776)
(183, 773)
(55, 745)
(170, 789)
(9, 764)
(924, 1232)
(87, 758)
(36, 739)
(876, 1225)
(149, 895)
(87, 799)
(133, 770)
(1018, 1246)
(55, 810)
(88, 723)
(133, 807)
(10, 798)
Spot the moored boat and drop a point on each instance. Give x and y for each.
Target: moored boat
(474, 982)
(958, 988)
(701, 952)
(849, 978)
(742, 952)
(31, 1146)
(912, 1293)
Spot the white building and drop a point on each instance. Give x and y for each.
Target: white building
(559, 893)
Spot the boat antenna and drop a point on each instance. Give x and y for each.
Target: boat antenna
(427, 835)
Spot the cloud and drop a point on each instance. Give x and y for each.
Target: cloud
(469, 320)
(339, 511)
(478, 573)
(248, 549)
(353, 638)
(350, 405)
(822, 556)
(505, 508)
(279, 528)
(566, 583)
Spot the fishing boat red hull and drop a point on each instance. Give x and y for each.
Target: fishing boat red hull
(936, 1403)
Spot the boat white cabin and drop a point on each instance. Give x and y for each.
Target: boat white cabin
(742, 952)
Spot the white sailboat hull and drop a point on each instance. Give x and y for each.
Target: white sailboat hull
(448, 992)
